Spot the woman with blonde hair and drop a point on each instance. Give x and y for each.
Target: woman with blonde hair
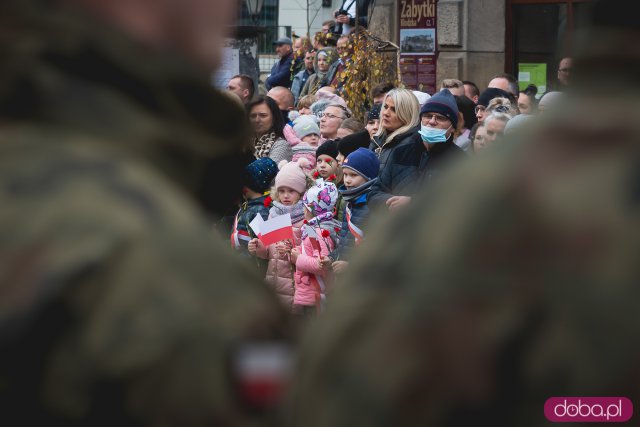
(399, 120)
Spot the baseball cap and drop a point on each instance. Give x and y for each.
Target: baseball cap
(283, 40)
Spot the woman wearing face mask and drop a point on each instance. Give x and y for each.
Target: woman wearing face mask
(423, 158)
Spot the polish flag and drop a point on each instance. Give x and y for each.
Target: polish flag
(275, 230)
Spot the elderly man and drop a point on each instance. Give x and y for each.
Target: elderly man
(117, 304)
(421, 159)
(281, 70)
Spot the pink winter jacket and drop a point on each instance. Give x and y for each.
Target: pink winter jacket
(308, 289)
(280, 270)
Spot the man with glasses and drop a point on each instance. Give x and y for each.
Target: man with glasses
(423, 157)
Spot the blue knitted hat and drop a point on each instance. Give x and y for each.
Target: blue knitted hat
(259, 174)
(444, 103)
(364, 162)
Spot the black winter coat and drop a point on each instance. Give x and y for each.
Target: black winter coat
(409, 166)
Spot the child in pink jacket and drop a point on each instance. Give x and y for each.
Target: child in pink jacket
(319, 236)
(290, 185)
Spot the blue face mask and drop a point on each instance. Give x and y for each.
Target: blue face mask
(433, 135)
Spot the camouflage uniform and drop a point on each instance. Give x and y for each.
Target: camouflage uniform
(474, 306)
(116, 307)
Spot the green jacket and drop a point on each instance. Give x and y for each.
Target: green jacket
(117, 305)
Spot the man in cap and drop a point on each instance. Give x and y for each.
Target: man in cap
(477, 305)
(421, 160)
(117, 304)
(281, 70)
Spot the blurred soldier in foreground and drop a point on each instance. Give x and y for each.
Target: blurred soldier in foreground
(475, 306)
(116, 305)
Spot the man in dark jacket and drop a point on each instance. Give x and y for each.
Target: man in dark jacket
(281, 72)
(422, 159)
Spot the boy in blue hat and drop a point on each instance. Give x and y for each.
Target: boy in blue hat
(360, 172)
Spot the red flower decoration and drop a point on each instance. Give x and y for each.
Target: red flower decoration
(316, 174)
(337, 229)
(305, 222)
(325, 233)
(332, 177)
(267, 201)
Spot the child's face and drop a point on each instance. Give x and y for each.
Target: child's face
(372, 126)
(351, 179)
(311, 139)
(305, 111)
(288, 196)
(340, 158)
(326, 166)
(307, 214)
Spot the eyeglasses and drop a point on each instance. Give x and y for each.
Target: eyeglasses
(329, 116)
(501, 109)
(439, 117)
(480, 109)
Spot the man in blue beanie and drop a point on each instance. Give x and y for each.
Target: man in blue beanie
(421, 159)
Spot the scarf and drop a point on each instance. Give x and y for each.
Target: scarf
(354, 193)
(296, 211)
(262, 145)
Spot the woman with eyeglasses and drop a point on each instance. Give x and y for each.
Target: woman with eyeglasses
(399, 121)
(268, 125)
(423, 157)
(331, 119)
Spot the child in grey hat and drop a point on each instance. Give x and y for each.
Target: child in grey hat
(307, 130)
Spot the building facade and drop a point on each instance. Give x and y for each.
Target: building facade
(478, 39)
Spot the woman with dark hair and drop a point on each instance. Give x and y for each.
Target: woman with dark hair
(466, 119)
(268, 125)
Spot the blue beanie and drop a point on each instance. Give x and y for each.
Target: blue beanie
(444, 103)
(364, 162)
(259, 174)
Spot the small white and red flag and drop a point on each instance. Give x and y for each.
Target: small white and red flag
(273, 230)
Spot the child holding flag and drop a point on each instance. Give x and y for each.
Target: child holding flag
(319, 234)
(258, 176)
(290, 185)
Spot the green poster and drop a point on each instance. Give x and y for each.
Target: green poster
(533, 73)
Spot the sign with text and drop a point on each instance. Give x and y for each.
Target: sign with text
(529, 73)
(418, 44)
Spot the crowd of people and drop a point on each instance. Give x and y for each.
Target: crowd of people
(312, 160)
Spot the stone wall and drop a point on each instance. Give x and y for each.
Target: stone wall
(471, 36)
